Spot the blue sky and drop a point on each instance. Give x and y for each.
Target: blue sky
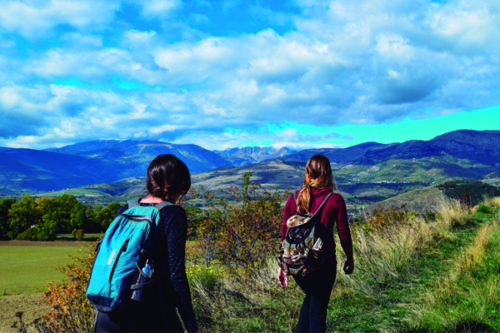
(222, 74)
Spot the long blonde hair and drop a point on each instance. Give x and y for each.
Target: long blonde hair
(318, 174)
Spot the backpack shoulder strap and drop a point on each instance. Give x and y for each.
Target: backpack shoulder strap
(164, 204)
(323, 203)
(133, 202)
(320, 205)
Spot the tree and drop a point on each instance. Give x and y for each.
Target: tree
(83, 217)
(63, 208)
(247, 186)
(52, 216)
(6, 231)
(23, 214)
(106, 215)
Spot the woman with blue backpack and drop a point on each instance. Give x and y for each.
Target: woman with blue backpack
(308, 247)
(155, 305)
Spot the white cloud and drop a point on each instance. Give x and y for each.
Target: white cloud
(34, 19)
(468, 25)
(394, 47)
(20, 110)
(281, 137)
(162, 129)
(97, 66)
(208, 58)
(105, 72)
(137, 38)
(82, 41)
(160, 8)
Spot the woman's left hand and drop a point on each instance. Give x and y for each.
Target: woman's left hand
(349, 266)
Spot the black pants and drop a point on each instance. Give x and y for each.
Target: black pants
(140, 320)
(318, 287)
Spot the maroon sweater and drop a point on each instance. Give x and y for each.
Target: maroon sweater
(334, 212)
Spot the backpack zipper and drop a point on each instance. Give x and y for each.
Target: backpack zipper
(122, 249)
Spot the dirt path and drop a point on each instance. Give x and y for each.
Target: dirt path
(10, 305)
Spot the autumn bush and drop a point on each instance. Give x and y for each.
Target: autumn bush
(69, 309)
(240, 227)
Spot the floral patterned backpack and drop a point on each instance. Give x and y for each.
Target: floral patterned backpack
(301, 252)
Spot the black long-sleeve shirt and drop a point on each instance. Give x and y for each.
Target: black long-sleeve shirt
(159, 314)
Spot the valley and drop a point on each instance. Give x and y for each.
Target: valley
(101, 172)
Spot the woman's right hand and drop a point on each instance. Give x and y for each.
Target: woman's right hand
(282, 278)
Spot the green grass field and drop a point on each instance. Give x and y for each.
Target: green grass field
(27, 269)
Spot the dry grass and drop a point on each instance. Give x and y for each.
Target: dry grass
(454, 214)
(224, 302)
(383, 255)
(475, 254)
(493, 202)
(27, 304)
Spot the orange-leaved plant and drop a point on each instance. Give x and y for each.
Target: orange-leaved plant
(241, 228)
(69, 309)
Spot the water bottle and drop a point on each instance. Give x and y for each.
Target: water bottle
(144, 277)
(147, 270)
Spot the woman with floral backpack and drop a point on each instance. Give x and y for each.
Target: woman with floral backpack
(318, 198)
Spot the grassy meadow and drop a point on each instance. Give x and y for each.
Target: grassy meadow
(26, 267)
(412, 274)
(425, 276)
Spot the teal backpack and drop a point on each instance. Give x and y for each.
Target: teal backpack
(123, 265)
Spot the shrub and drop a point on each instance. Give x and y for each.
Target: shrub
(382, 218)
(79, 234)
(241, 232)
(69, 309)
(485, 209)
(28, 234)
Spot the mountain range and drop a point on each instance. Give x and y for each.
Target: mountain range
(475, 146)
(366, 173)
